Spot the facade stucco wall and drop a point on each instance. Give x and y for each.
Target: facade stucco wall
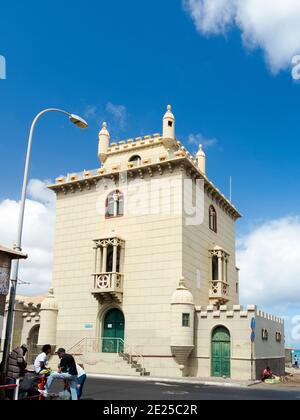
(152, 265)
(247, 359)
(269, 352)
(238, 323)
(153, 152)
(25, 320)
(197, 240)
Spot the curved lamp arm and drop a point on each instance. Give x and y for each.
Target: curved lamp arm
(79, 122)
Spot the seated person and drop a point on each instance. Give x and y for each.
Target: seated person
(81, 378)
(267, 374)
(67, 371)
(40, 363)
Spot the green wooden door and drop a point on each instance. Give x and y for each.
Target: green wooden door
(114, 329)
(221, 353)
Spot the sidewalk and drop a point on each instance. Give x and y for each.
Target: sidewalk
(217, 382)
(292, 381)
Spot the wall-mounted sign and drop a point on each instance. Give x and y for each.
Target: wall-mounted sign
(88, 326)
(4, 280)
(110, 326)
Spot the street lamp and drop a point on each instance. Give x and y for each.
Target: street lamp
(79, 122)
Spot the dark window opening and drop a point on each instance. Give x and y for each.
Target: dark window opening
(215, 268)
(110, 260)
(213, 221)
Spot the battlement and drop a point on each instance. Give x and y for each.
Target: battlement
(270, 317)
(119, 167)
(137, 143)
(236, 312)
(165, 161)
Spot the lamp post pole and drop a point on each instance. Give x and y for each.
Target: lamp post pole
(18, 246)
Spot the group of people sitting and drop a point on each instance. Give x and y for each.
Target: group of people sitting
(69, 371)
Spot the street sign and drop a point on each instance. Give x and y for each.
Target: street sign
(253, 324)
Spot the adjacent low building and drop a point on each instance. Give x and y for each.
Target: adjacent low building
(6, 257)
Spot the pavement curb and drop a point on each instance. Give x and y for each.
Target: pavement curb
(170, 381)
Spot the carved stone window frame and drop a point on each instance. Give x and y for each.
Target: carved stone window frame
(223, 264)
(101, 247)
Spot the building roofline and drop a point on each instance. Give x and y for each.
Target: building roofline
(15, 255)
(86, 179)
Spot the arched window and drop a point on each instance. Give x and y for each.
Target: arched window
(136, 160)
(213, 219)
(115, 204)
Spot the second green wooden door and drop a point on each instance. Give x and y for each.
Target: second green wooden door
(114, 331)
(221, 353)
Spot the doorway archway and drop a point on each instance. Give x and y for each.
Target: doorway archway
(221, 352)
(113, 332)
(32, 342)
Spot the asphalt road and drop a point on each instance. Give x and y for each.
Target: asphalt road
(124, 390)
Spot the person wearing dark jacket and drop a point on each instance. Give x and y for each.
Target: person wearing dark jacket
(17, 363)
(16, 367)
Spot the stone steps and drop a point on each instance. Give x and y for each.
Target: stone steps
(106, 363)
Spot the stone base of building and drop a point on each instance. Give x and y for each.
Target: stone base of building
(167, 367)
(277, 365)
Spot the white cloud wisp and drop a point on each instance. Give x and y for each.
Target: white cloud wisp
(269, 261)
(37, 237)
(272, 26)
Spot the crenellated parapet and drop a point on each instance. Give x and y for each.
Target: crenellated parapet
(235, 312)
(149, 167)
(134, 144)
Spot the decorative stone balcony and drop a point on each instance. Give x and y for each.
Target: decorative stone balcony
(219, 292)
(108, 287)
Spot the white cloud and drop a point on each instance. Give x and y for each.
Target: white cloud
(90, 111)
(37, 237)
(271, 25)
(269, 261)
(118, 113)
(197, 139)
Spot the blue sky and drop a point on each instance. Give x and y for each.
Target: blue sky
(141, 56)
(144, 55)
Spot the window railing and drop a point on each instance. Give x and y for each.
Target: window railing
(108, 282)
(219, 289)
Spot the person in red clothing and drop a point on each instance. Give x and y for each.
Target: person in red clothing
(67, 372)
(267, 374)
